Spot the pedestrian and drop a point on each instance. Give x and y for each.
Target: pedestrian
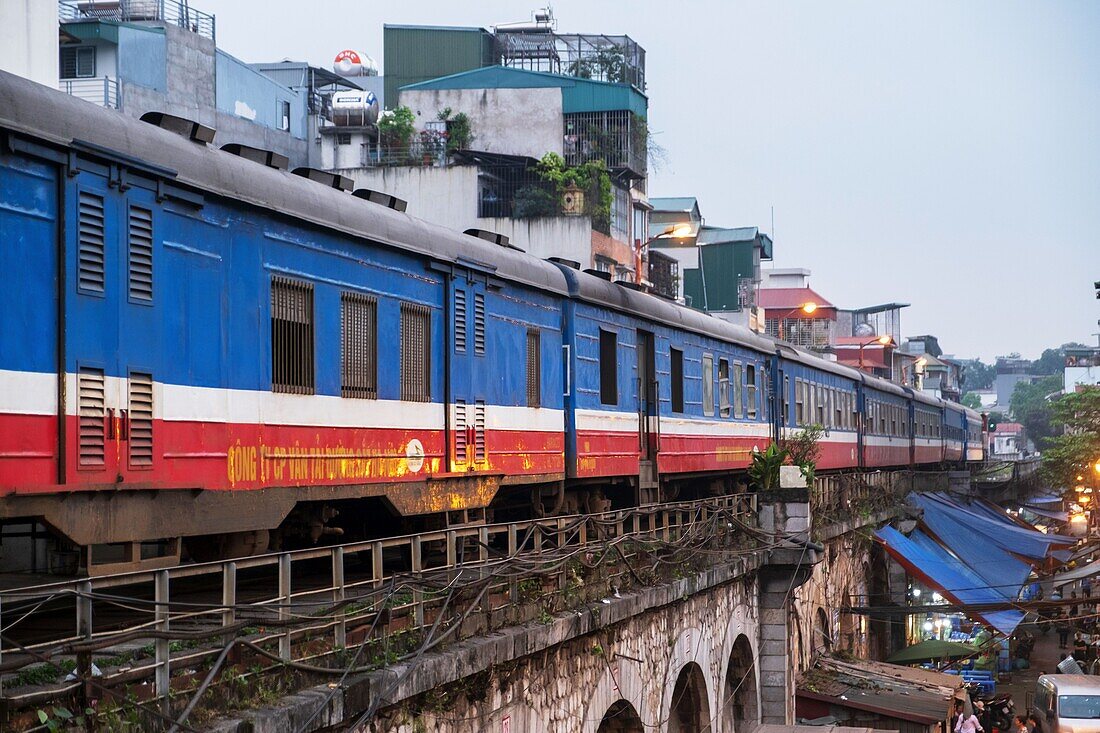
(957, 714)
(1080, 647)
(1086, 587)
(1036, 722)
(967, 723)
(1062, 626)
(1019, 724)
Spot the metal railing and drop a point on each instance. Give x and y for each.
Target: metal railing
(172, 12)
(355, 593)
(104, 91)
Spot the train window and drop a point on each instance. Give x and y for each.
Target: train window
(799, 402)
(750, 379)
(416, 374)
(358, 346)
(609, 384)
(91, 409)
(460, 320)
(676, 367)
(894, 421)
(140, 388)
(786, 399)
(708, 384)
(855, 412)
(534, 368)
(724, 387)
(90, 245)
(291, 336)
(838, 409)
(140, 255)
(820, 405)
(479, 323)
(738, 392)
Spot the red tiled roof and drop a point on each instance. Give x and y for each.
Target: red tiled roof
(789, 298)
(1009, 427)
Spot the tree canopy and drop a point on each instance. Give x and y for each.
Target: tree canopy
(977, 374)
(1052, 361)
(1077, 451)
(1033, 410)
(972, 400)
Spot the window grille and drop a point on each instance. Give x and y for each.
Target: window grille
(750, 379)
(141, 253)
(534, 368)
(460, 431)
(141, 419)
(91, 272)
(723, 387)
(738, 391)
(479, 432)
(358, 346)
(415, 353)
(292, 367)
(92, 410)
(78, 62)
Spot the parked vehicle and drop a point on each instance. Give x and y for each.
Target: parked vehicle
(1070, 702)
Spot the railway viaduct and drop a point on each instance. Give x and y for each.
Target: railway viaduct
(715, 647)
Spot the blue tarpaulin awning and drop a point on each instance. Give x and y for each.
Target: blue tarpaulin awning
(940, 570)
(1007, 535)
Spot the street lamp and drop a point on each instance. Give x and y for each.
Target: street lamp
(884, 340)
(672, 231)
(808, 308)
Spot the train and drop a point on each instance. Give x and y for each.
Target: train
(205, 354)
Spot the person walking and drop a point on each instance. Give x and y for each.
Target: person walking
(1086, 587)
(1061, 625)
(968, 724)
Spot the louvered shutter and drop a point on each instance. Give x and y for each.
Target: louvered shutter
(90, 246)
(479, 323)
(91, 410)
(460, 320)
(141, 254)
(141, 419)
(479, 431)
(460, 431)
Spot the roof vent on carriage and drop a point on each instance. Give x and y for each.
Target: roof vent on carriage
(602, 274)
(378, 197)
(258, 155)
(332, 180)
(182, 126)
(572, 264)
(494, 237)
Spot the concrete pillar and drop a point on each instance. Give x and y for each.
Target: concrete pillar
(785, 513)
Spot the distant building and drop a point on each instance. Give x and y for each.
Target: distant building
(140, 57)
(875, 320)
(788, 317)
(931, 371)
(1011, 370)
(1082, 367)
(1008, 442)
(719, 268)
(29, 40)
(874, 357)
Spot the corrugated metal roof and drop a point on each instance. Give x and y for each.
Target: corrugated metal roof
(719, 235)
(789, 298)
(916, 695)
(577, 95)
(674, 203)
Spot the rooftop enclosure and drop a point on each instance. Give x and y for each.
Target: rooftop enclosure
(618, 138)
(414, 54)
(171, 12)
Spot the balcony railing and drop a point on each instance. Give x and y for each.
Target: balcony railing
(171, 12)
(102, 91)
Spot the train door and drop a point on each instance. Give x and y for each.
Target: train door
(648, 417)
(110, 332)
(467, 397)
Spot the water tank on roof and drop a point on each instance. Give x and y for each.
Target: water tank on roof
(354, 63)
(354, 108)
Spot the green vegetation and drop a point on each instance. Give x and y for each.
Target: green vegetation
(607, 64)
(396, 128)
(764, 471)
(1033, 410)
(591, 177)
(803, 449)
(972, 400)
(1077, 451)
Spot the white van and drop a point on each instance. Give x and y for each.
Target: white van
(1070, 702)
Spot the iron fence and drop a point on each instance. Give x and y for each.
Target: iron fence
(172, 12)
(105, 91)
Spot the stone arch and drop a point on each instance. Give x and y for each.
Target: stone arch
(621, 717)
(849, 625)
(822, 635)
(740, 709)
(689, 708)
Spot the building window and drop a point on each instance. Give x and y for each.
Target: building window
(78, 62)
(291, 336)
(358, 346)
(609, 365)
(534, 368)
(641, 225)
(750, 380)
(284, 116)
(416, 325)
(343, 138)
(620, 214)
(676, 369)
(723, 387)
(708, 384)
(604, 264)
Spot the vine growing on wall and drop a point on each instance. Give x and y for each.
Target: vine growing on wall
(592, 177)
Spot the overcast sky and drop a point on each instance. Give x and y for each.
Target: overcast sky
(943, 154)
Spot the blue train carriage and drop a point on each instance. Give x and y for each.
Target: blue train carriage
(660, 397)
(975, 436)
(954, 432)
(929, 429)
(220, 326)
(884, 424)
(813, 391)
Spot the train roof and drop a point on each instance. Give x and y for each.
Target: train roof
(49, 115)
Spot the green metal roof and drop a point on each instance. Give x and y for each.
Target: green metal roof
(102, 30)
(674, 203)
(577, 95)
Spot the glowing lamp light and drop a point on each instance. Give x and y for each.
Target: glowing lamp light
(681, 231)
(1096, 467)
(916, 592)
(810, 307)
(927, 626)
(937, 597)
(884, 340)
(947, 624)
(1080, 478)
